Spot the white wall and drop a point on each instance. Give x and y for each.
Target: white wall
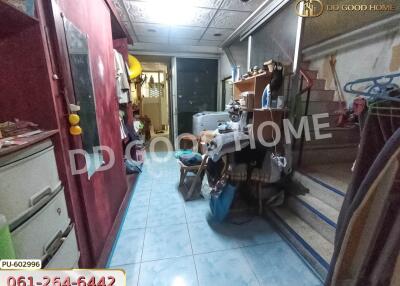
(226, 69)
(375, 56)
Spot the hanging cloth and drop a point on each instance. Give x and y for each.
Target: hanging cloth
(367, 241)
(122, 82)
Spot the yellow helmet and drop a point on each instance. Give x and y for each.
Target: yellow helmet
(135, 68)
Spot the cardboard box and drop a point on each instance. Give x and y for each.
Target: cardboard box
(247, 100)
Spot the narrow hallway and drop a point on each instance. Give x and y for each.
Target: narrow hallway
(165, 241)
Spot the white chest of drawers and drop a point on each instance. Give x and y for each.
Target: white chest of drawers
(33, 201)
(28, 178)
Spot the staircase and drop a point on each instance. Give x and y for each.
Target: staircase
(309, 221)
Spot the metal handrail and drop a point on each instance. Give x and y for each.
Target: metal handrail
(309, 81)
(307, 89)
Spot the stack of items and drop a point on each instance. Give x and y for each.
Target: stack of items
(13, 133)
(247, 100)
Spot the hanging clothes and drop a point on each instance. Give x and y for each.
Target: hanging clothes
(123, 86)
(367, 241)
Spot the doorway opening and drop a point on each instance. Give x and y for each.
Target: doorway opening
(155, 97)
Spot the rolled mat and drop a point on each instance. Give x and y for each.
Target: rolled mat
(6, 245)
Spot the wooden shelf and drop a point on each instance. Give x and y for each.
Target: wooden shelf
(251, 78)
(29, 141)
(255, 84)
(13, 20)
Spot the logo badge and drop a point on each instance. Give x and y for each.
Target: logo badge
(309, 8)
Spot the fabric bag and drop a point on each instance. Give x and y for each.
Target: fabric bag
(221, 200)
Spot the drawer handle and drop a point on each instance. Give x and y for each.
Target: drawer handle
(51, 247)
(36, 198)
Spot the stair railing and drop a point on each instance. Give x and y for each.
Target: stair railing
(310, 83)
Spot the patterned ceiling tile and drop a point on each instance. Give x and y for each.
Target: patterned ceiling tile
(155, 40)
(138, 11)
(149, 22)
(229, 19)
(209, 43)
(120, 9)
(201, 17)
(238, 5)
(151, 30)
(192, 33)
(214, 34)
(185, 42)
(146, 13)
(197, 3)
(207, 3)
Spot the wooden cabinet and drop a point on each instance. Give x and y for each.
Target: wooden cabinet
(267, 132)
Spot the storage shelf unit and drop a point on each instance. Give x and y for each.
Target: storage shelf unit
(255, 84)
(32, 195)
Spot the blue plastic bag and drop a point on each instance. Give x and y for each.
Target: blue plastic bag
(221, 202)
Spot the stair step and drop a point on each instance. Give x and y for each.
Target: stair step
(312, 246)
(305, 65)
(312, 74)
(332, 119)
(340, 136)
(327, 153)
(320, 216)
(319, 95)
(318, 107)
(318, 84)
(338, 176)
(321, 190)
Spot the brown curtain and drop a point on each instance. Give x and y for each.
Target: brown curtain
(367, 239)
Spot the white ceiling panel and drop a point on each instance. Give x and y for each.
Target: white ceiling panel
(192, 33)
(139, 11)
(151, 30)
(197, 3)
(155, 40)
(184, 22)
(144, 12)
(121, 10)
(215, 34)
(229, 19)
(184, 42)
(207, 3)
(238, 5)
(209, 43)
(201, 17)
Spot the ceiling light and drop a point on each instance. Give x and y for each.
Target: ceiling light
(151, 30)
(217, 35)
(172, 12)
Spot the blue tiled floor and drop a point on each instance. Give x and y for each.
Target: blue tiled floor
(165, 241)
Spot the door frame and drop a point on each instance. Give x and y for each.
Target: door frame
(173, 100)
(174, 91)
